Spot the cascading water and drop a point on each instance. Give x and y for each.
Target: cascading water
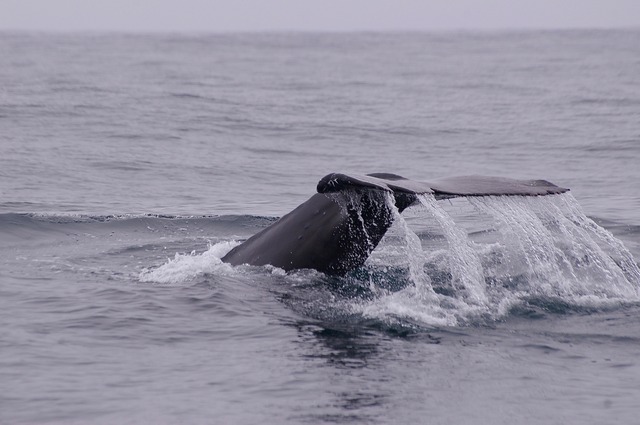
(538, 248)
(464, 262)
(566, 254)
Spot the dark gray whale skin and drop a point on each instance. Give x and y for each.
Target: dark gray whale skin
(336, 229)
(320, 234)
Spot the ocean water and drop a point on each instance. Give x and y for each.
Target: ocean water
(130, 164)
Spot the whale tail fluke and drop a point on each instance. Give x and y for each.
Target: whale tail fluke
(336, 229)
(442, 188)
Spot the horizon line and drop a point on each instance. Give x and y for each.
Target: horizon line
(320, 31)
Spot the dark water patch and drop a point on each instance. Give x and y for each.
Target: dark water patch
(274, 151)
(623, 365)
(367, 282)
(541, 348)
(553, 306)
(608, 101)
(528, 312)
(123, 165)
(613, 146)
(539, 307)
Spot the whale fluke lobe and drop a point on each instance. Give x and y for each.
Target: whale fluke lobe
(492, 186)
(336, 229)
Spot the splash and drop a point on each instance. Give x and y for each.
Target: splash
(186, 267)
(565, 253)
(540, 248)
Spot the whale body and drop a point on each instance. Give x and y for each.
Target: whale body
(336, 229)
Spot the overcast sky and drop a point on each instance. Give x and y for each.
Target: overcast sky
(314, 15)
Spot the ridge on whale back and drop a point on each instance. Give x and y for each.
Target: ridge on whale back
(336, 229)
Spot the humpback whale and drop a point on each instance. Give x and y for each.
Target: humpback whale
(336, 229)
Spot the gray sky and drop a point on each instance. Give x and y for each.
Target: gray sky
(314, 15)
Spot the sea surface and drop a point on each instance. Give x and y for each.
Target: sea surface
(130, 164)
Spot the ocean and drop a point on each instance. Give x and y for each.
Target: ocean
(131, 163)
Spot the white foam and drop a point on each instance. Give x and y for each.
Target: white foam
(410, 303)
(185, 267)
